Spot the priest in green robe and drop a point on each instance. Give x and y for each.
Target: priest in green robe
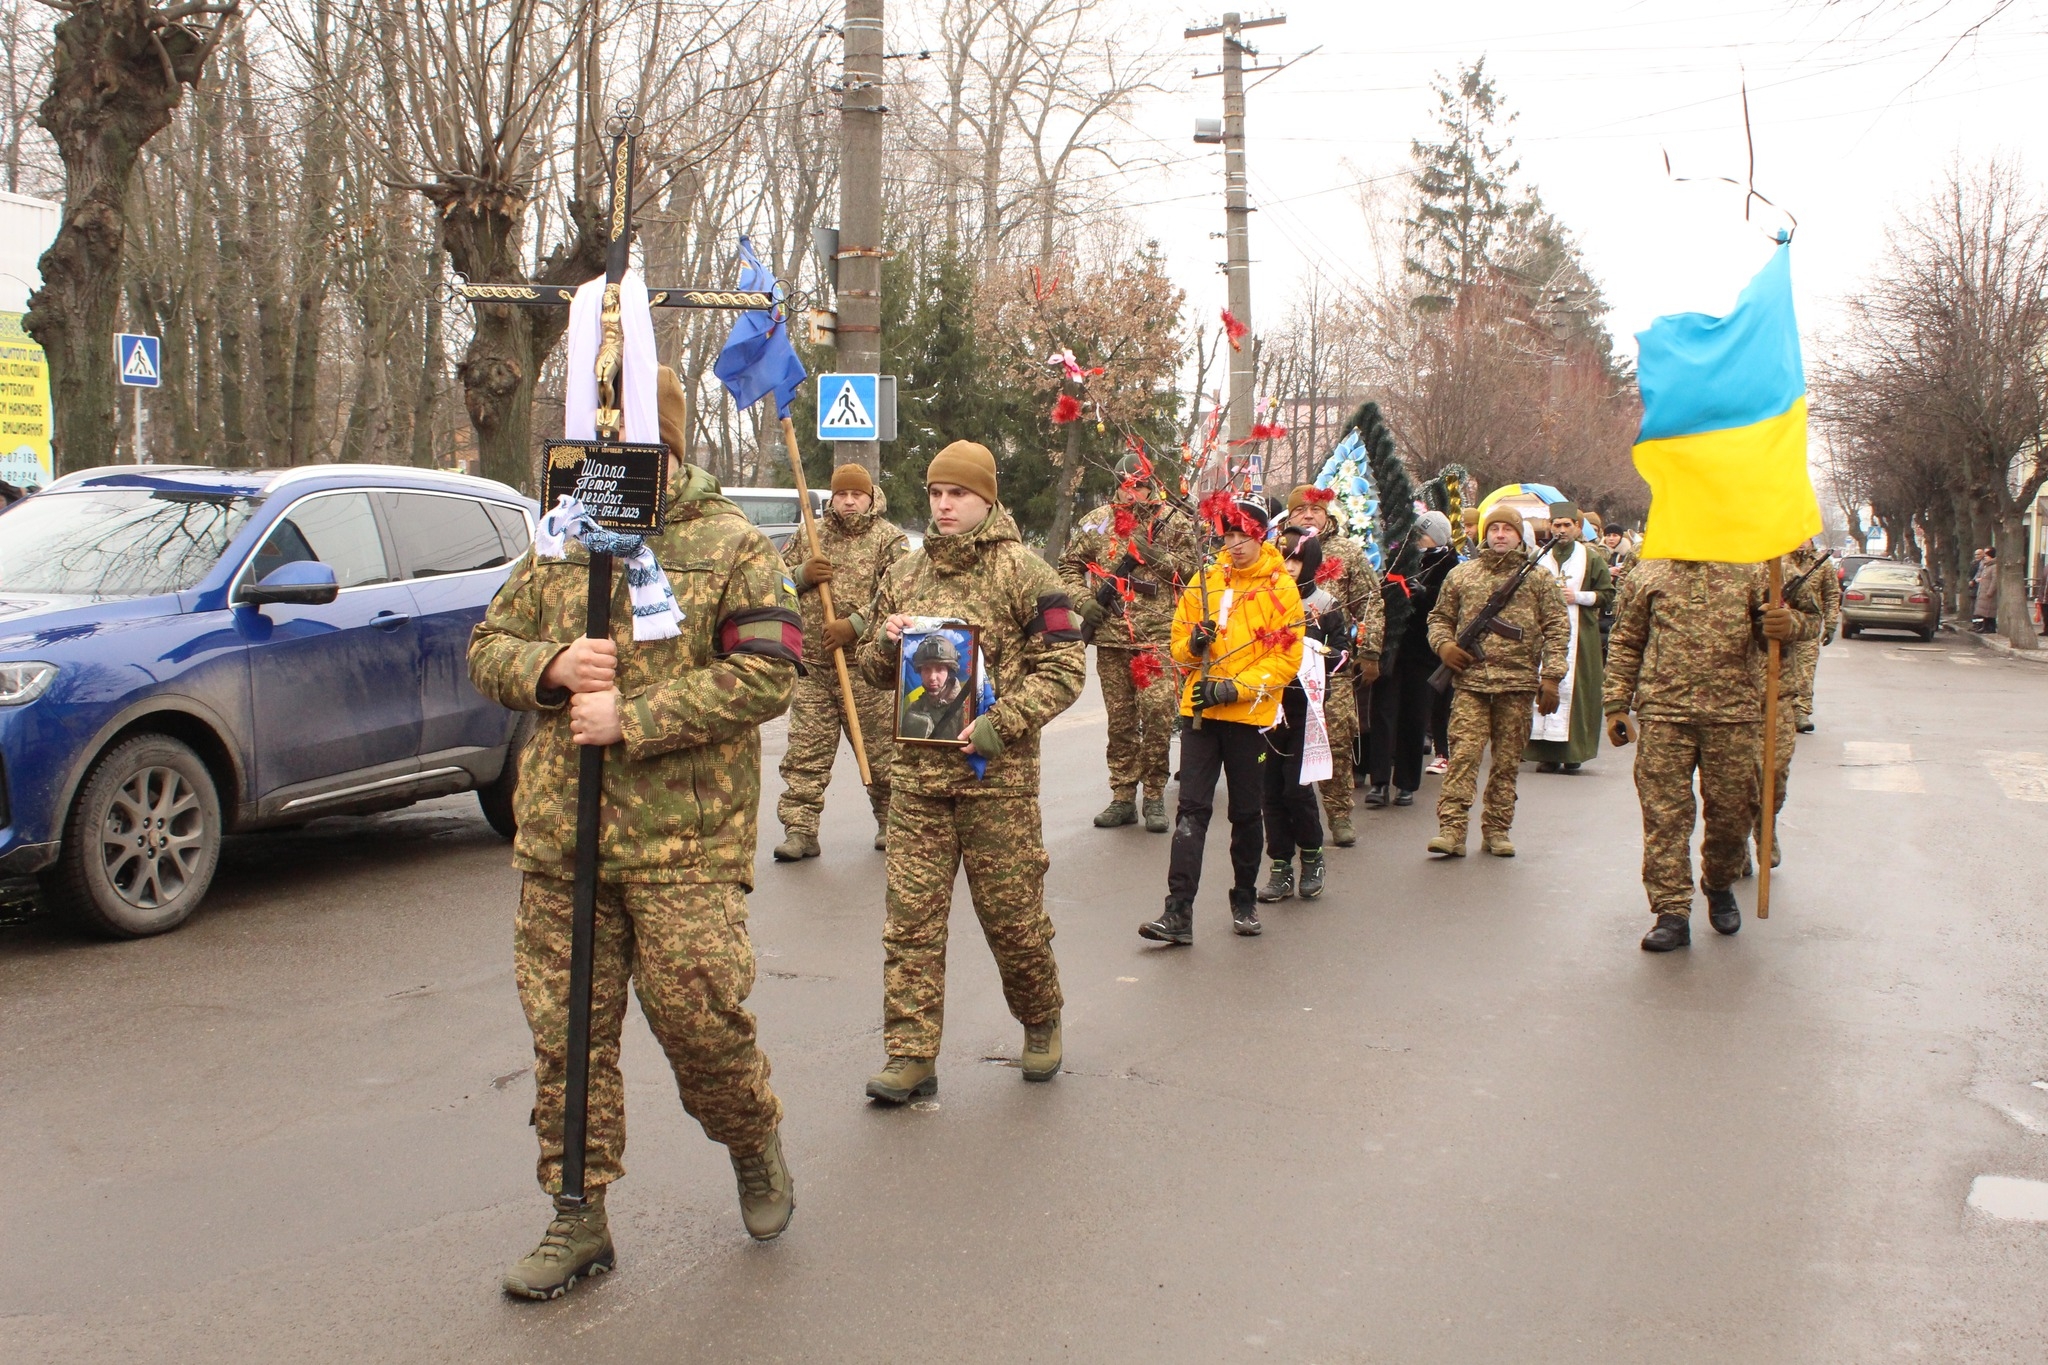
(1570, 735)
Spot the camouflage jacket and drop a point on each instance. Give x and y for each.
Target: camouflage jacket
(861, 549)
(1537, 607)
(1819, 595)
(1154, 594)
(1825, 583)
(1029, 635)
(1357, 589)
(1688, 642)
(681, 789)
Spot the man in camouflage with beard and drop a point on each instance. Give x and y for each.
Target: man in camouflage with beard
(1687, 657)
(1348, 576)
(1153, 551)
(857, 547)
(972, 567)
(681, 718)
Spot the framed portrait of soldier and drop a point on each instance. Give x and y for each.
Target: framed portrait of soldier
(938, 690)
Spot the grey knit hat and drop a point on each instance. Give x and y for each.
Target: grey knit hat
(1435, 525)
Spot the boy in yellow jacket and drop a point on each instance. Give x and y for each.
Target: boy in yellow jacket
(1242, 620)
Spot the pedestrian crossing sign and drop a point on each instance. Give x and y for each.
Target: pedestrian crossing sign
(848, 409)
(138, 360)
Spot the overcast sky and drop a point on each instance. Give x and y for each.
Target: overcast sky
(1853, 120)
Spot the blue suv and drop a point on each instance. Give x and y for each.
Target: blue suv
(187, 652)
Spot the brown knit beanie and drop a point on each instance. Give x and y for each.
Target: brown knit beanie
(1300, 498)
(1500, 511)
(852, 478)
(675, 412)
(966, 464)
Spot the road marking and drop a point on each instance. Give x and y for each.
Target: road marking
(2003, 1196)
(2022, 777)
(1874, 766)
(1969, 659)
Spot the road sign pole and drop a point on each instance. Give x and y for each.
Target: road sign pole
(141, 450)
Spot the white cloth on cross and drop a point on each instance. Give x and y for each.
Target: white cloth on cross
(656, 613)
(1315, 739)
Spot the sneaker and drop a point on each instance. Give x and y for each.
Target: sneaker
(1311, 873)
(1175, 925)
(1403, 797)
(1376, 797)
(1280, 885)
(1244, 918)
(1438, 765)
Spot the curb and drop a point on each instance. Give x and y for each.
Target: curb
(1999, 644)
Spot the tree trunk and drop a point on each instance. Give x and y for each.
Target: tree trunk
(1066, 481)
(2015, 614)
(430, 370)
(114, 82)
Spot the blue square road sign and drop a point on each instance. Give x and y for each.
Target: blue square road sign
(138, 360)
(848, 409)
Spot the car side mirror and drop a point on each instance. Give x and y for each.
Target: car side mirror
(303, 582)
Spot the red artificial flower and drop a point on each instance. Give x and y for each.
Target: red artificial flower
(1267, 431)
(1066, 409)
(1123, 521)
(1318, 495)
(1123, 585)
(1221, 512)
(1233, 330)
(1276, 639)
(1329, 571)
(1146, 670)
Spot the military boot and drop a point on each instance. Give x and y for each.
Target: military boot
(1499, 845)
(1155, 814)
(1311, 873)
(1176, 924)
(1449, 843)
(1280, 886)
(1671, 931)
(1122, 811)
(1244, 916)
(1041, 1059)
(578, 1242)
(905, 1079)
(767, 1194)
(1722, 910)
(1341, 832)
(796, 846)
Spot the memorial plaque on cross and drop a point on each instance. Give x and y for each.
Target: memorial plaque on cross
(623, 485)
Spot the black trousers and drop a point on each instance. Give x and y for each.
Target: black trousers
(1234, 751)
(1294, 818)
(1403, 710)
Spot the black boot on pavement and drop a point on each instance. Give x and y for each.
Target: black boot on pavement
(1403, 796)
(1244, 915)
(1376, 797)
(1279, 886)
(1311, 873)
(1722, 911)
(1672, 931)
(1176, 924)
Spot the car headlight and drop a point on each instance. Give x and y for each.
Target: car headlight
(21, 684)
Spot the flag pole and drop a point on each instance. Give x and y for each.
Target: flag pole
(803, 502)
(1767, 825)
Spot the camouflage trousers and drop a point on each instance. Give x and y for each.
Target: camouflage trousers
(1340, 714)
(686, 949)
(1726, 758)
(1802, 661)
(817, 717)
(1480, 720)
(1788, 740)
(1141, 723)
(998, 839)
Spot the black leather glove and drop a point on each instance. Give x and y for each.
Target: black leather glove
(1201, 637)
(1216, 692)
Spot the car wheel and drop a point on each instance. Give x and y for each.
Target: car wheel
(496, 798)
(1927, 637)
(1851, 632)
(142, 842)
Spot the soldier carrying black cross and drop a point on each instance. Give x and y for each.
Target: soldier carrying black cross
(649, 695)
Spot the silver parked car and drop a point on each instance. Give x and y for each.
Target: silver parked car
(1888, 595)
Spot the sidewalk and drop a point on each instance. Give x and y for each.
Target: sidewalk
(1999, 644)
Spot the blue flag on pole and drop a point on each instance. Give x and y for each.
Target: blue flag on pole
(758, 358)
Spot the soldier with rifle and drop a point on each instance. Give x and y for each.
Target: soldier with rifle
(1502, 633)
(1124, 567)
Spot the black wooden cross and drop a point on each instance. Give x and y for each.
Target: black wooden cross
(625, 131)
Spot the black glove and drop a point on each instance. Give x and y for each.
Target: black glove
(1215, 692)
(1201, 637)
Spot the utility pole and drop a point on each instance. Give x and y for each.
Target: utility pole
(1236, 204)
(860, 253)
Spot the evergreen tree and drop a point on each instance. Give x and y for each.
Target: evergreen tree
(1462, 187)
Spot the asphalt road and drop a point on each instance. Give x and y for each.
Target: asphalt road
(1450, 1112)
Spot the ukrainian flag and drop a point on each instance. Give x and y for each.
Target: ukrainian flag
(1723, 442)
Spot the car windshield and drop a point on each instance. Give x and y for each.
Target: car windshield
(116, 542)
(1888, 576)
(768, 511)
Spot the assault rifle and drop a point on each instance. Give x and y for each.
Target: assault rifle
(1472, 638)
